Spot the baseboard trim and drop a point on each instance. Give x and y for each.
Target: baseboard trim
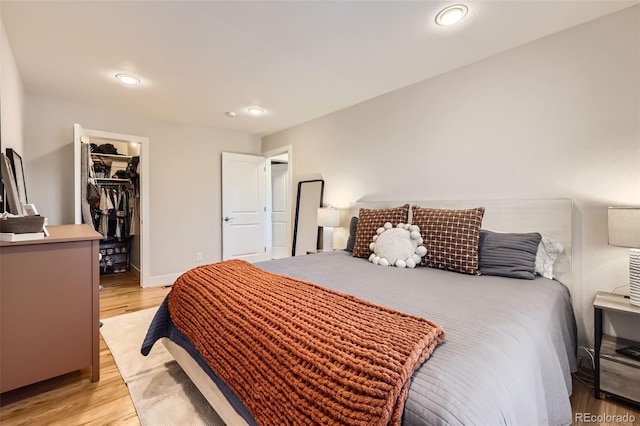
(160, 280)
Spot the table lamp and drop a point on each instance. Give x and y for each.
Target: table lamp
(624, 231)
(328, 218)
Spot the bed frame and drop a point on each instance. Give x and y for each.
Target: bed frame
(205, 385)
(552, 218)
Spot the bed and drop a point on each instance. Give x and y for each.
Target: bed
(510, 343)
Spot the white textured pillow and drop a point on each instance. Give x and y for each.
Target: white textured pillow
(548, 251)
(400, 246)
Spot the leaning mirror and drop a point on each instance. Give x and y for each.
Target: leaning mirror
(8, 178)
(305, 228)
(18, 174)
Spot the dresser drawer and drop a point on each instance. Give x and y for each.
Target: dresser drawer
(620, 379)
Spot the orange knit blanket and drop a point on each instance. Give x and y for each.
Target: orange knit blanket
(297, 353)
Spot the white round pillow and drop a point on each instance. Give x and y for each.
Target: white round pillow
(400, 246)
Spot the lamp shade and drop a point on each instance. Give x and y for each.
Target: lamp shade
(624, 226)
(328, 217)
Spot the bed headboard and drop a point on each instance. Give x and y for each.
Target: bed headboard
(552, 218)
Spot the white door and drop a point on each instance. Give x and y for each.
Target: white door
(79, 135)
(244, 207)
(279, 211)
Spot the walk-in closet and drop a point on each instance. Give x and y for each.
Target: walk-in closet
(113, 195)
(109, 194)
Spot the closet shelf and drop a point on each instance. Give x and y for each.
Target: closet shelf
(112, 180)
(112, 156)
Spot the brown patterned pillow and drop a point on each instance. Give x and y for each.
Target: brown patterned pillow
(451, 237)
(369, 220)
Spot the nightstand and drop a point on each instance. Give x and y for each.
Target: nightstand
(615, 374)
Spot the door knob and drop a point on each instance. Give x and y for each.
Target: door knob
(227, 218)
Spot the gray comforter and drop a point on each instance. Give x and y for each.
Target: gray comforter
(510, 346)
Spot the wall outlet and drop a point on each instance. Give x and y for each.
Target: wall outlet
(199, 257)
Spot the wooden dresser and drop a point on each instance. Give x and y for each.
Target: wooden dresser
(49, 306)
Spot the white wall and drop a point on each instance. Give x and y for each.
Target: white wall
(185, 173)
(11, 98)
(556, 118)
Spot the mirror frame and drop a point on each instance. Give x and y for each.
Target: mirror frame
(13, 201)
(297, 214)
(18, 173)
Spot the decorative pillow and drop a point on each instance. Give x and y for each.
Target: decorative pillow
(451, 237)
(548, 251)
(353, 227)
(508, 255)
(400, 246)
(370, 220)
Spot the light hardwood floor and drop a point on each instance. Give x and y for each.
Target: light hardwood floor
(72, 399)
(583, 402)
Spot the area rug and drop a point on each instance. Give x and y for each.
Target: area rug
(161, 392)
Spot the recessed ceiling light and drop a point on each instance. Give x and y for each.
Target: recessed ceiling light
(128, 79)
(255, 111)
(452, 14)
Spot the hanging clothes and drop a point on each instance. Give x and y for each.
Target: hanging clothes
(114, 214)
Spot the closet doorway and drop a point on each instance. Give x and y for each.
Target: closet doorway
(126, 179)
(280, 205)
(279, 183)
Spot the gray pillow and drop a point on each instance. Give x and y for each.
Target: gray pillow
(508, 255)
(353, 227)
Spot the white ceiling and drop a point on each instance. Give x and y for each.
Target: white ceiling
(298, 59)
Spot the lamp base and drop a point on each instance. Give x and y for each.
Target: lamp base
(634, 276)
(327, 239)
